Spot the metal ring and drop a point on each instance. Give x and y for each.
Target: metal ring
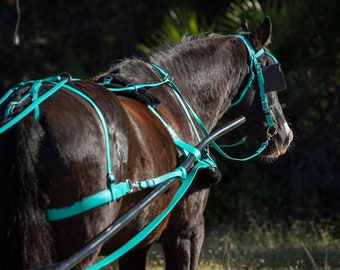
(65, 75)
(271, 131)
(169, 78)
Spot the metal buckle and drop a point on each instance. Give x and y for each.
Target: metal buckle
(133, 186)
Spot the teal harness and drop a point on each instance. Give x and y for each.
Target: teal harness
(114, 191)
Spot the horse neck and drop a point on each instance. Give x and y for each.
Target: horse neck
(208, 72)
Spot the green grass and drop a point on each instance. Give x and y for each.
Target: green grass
(301, 246)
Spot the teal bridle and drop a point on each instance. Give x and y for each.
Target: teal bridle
(255, 73)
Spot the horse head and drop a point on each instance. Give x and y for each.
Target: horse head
(259, 103)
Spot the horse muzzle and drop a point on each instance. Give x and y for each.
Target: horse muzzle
(280, 142)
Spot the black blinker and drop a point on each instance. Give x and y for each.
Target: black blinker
(274, 78)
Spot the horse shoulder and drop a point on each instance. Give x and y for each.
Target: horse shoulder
(150, 144)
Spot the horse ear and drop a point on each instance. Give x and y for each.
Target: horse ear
(260, 37)
(243, 28)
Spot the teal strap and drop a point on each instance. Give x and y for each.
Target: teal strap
(78, 207)
(154, 223)
(262, 147)
(272, 57)
(245, 90)
(238, 143)
(35, 103)
(179, 172)
(113, 193)
(249, 46)
(14, 103)
(184, 147)
(103, 122)
(134, 87)
(264, 103)
(34, 90)
(183, 102)
(105, 196)
(260, 80)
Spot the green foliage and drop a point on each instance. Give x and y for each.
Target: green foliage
(178, 22)
(84, 39)
(238, 11)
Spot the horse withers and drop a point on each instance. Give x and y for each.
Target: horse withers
(57, 154)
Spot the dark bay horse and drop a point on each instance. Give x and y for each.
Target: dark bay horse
(56, 155)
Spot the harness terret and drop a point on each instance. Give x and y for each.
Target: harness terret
(114, 191)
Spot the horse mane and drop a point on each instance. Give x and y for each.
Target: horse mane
(185, 40)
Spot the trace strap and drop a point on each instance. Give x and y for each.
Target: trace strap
(112, 193)
(155, 222)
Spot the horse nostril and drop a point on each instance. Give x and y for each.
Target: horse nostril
(286, 142)
(288, 139)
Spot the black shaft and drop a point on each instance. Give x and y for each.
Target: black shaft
(113, 229)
